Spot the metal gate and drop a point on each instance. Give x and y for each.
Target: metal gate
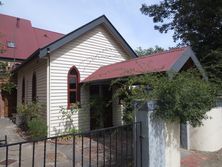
(115, 146)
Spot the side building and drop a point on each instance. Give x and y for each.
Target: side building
(18, 41)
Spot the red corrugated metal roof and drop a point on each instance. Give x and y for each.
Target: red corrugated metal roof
(158, 62)
(27, 39)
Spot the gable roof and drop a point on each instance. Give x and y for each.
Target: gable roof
(26, 38)
(172, 60)
(102, 20)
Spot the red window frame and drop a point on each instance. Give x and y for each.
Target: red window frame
(77, 89)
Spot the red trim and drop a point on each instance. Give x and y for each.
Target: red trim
(77, 89)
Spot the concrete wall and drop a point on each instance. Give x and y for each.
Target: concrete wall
(160, 140)
(172, 148)
(209, 136)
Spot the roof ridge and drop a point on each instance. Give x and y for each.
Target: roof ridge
(48, 30)
(15, 17)
(166, 51)
(151, 55)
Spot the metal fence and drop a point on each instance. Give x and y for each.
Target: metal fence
(115, 146)
(3, 141)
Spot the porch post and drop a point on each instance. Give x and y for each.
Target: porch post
(160, 140)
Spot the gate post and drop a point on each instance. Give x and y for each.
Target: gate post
(141, 154)
(160, 140)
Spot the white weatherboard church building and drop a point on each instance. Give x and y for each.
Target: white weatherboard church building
(61, 67)
(81, 64)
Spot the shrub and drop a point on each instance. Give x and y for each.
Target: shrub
(37, 128)
(185, 97)
(28, 112)
(72, 130)
(67, 117)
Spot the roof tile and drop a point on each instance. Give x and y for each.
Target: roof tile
(27, 39)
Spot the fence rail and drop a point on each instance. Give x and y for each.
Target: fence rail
(3, 141)
(114, 146)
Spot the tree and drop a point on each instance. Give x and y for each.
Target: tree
(197, 23)
(144, 52)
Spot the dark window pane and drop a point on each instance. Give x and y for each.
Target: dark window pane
(72, 83)
(72, 97)
(34, 87)
(73, 72)
(23, 90)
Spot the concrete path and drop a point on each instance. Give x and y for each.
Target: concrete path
(7, 127)
(64, 152)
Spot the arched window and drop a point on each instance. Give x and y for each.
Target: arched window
(23, 90)
(73, 86)
(34, 97)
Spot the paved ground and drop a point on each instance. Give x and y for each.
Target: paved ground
(64, 152)
(201, 159)
(8, 128)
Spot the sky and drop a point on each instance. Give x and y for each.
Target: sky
(67, 15)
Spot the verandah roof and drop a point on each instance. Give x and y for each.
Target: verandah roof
(159, 62)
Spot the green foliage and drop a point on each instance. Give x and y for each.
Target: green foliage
(4, 74)
(67, 117)
(144, 52)
(186, 97)
(37, 128)
(196, 23)
(98, 104)
(73, 130)
(8, 87)
(32, 119)
(3, 66)
(29, 111)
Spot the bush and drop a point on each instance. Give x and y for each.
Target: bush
(185, 97)
(72, 130)
(28, 112)
(37, 128)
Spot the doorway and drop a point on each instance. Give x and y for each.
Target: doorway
(100, 106)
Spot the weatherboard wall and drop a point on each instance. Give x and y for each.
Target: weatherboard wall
(89, 52)
(39, 67)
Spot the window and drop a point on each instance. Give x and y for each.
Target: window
(11, 44)
(23, 90)
(73, 86)
(34, 98)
